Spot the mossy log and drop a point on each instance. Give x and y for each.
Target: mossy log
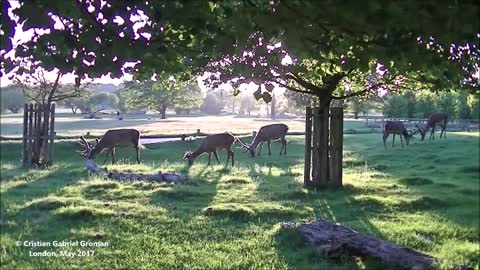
(157, 177)
(336, 241)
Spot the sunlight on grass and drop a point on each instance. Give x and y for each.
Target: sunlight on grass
(224, 217)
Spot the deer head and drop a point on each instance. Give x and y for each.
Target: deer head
(188, 156)
(88, 148)
(421, 130)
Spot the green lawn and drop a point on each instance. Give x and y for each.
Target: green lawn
(425, 196)
(75, 125)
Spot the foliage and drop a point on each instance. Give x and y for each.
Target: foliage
(425, 104)
(247, 104)
(12, 99)
(435, 42)
(77, 104)
(211, 104)
(446, 102)
(161, 94)
(462, 109)
(474, 104)
(396, 106)
(36, 85)
(189, 98)
(104, 101)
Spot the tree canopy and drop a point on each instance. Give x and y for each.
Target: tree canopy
(377, 44)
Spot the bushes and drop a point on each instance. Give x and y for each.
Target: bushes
(422, 103)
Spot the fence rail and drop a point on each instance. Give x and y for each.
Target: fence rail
(454, 124)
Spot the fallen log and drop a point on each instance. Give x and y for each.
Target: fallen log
(334, 241)
(158, 177)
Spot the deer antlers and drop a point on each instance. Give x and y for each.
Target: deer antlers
(87, 147)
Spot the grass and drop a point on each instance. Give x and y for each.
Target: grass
(425, 196)
(75, 125)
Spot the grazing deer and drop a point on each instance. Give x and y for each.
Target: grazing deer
(267, 134)
(112, 138)
(211, 144)
(435, 119)
(395, 127)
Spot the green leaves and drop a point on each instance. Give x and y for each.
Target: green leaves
(258, 93)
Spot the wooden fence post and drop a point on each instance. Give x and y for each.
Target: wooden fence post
(323, 147)
(25, 134)
(198, 132)
(30, 136)
(45, 138)
(307, 181)
(336, 147)
(315, 147)
(52, 134)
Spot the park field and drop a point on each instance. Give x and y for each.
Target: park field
(68, 125)
(424, 196)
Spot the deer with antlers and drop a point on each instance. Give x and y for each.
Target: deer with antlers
(211, 144)
(440, 119)
(395, 127)
(267, 134)
(112, 138)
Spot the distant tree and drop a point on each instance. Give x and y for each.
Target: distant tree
(462, 109)
(247, 104)
(410, 98)
(211, 104)
(166, 92)
(12, 99)
(358, 105)
(425, 104)
(103, 101)
(189, 99)
(474, 104)
(396, 106)
(446, 102)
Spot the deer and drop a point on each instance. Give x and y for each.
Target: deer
(395, 127)
(435, 119)
(211, 144)
(111, 139)
(267, 134)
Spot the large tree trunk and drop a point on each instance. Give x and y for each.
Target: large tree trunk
(326, 149)
(336, 241)
(163, 111)
(355, 114)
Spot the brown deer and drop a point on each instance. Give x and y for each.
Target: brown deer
(267, 134)
(112, 138)
(435, 119)
(211, 144)
(395, 127)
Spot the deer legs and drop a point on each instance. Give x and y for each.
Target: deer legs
(216, 156)
(229, 154)
(138, 154)
(385, 136)
(284, 146)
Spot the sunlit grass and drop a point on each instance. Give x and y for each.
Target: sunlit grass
(425, 196)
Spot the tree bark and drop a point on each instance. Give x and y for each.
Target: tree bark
(334, 241)
(163, 111)
(157, 177)
(355, 114)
